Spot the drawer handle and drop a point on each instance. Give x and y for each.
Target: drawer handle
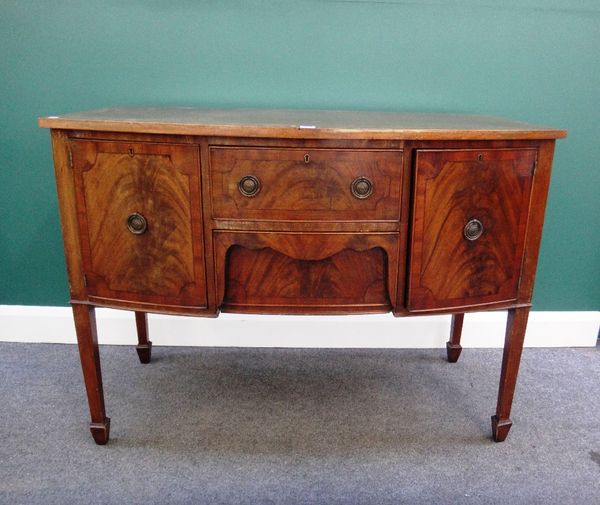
(473, 229)
(361, 187)
(249, 185)
(137, 224)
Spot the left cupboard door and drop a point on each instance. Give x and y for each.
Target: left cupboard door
(140, 223)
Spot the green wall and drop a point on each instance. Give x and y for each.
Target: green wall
(534, 60)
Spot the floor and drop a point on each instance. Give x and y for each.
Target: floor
(295, 426)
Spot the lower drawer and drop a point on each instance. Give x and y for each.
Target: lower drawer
(306, 273)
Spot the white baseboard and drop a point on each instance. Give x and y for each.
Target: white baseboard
(117, 327)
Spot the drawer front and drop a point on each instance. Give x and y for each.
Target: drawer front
(306, 273)
(470, 214)
(139, 216)
(305, 184)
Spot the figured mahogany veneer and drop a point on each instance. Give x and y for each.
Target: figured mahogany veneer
(265, 278)
(453, 187)
(279, 272)
(191, 211)
(159, 182)
(305, 184)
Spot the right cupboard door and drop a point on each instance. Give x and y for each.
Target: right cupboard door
(469, 221)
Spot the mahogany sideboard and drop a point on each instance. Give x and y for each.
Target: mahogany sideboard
(192, 211)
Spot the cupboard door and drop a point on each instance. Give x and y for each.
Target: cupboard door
(139, 216)
(470, 210)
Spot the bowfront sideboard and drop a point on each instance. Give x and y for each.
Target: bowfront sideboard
(191, 211)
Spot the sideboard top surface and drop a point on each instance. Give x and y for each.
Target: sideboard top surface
(311, 124)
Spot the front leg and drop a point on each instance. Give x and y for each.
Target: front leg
(453, 347)
(144, 347)
(513, 346)
(87, 340)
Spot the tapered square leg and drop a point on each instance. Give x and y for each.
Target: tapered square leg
(87, 340)
(453, 347)
(511, 359)
(144, 347)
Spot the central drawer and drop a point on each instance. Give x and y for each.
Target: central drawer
(305, 184)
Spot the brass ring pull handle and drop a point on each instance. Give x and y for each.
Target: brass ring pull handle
(137, 224)
(361, 187)
(249, 185)
(473, 229)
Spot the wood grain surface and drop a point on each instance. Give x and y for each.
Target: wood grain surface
(318, 124)
(451, 188)
(160, 182)
(305, 184)
(306, 272)
(259, 279)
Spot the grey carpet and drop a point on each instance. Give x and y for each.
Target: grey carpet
(270, 426)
